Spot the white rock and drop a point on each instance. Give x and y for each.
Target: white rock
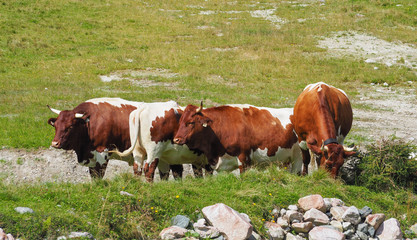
(389, 230)
(23, 210)
(294, 216)
(173, 232)
(324, 233)
(336, 224)
(283, 222)
(312, 201)
(275, 231)
(337, 212)
(228, 221)
(317, 217)
(303, 227)
(293, 207)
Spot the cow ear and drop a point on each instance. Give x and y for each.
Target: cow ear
(205, 122)
(51, 122)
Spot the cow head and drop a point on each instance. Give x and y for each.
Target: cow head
(192, 123)
(332, 157)
(70, 129)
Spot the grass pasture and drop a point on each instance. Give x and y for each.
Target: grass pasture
(222, 52)
(257, 52)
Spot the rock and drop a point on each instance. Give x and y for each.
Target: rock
(365, 211)
(228, 221)
(362, 227)
(23, 210)
(371, 231)
(207, 231)
(303, 227)
(275, 212)
(317, 217)
(255, 236)
(200, 222)
(375, 219)
(126, 194)
(283, 212)
(349, 171)
(352, 215)
(275, 231)
(283, 222)
(362, 235)
(347, 226)
(337, 225)
(312, 201)
(294, 216)
(172, 232)
(246, 217)
(290, 236)
(293, 207)
(323, 233)
(82, 235)
(414, 228)
(337, 212)
(336, 202)
(328, 204)
(349, 233)
(4, 236)
(389, 230)
(180, 221)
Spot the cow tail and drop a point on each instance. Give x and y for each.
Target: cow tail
(136, 113)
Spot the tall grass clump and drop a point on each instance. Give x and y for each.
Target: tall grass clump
(389, 164)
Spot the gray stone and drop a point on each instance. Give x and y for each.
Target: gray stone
(81, 235)
(389, 230)
(172, 232)
(290, 236)
(294, 215)
(352, 215)
(317, 217)
(219, 238)
(336, 202)
(207, 231)
(180, 221)
(365, 211)
(276, 212)
(362, 235)
(362, 227)
(23, 210)
(283, 222)
(255, 236)
(283, 211)
(303, 227)
(312, 201)
(355, 237)
(349, 233)
(371, 231)
(228, 221)
(323, 233)
(349, 171)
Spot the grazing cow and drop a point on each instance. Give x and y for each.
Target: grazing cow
(322, 119)
(250, 133)
(152, 128)
(92, 128)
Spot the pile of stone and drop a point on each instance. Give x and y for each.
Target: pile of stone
(313, 218)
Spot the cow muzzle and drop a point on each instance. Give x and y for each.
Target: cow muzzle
(55, 144)
(179, 141)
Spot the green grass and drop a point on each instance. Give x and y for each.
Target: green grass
(99, 208)
(53, 53)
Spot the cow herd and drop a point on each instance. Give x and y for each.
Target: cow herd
(165, 135)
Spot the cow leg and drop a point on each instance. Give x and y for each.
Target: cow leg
(306, 160)
(198, 171)
(149, 170)
(137, 171)
(209, 169)
(245, 161)
(177, 171)
(98, 171)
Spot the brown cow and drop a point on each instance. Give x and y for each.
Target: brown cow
(322, 119)
(94, 127)
(247, 132)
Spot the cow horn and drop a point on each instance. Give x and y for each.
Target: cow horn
(200, 108)
(54, 110)
(79, 115)
(348, 149)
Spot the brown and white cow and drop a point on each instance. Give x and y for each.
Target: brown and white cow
(152, 129)
(322, 119)
(94, 127)
(252, 134)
